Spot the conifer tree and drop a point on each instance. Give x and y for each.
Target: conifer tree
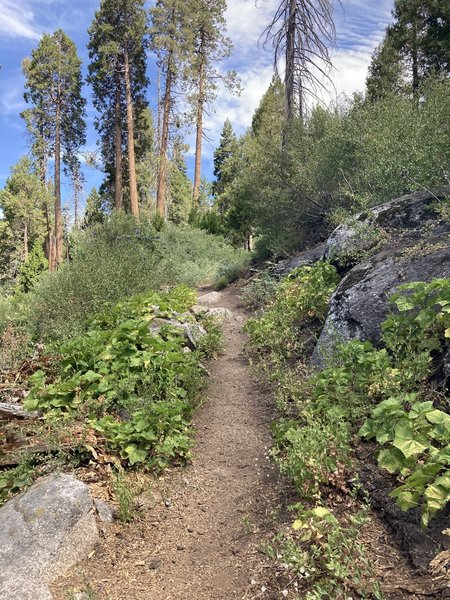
(53, 88)
(385, 71)
(302, 33)
(117, 73)
(23, 223)
(180, 187)
(94, 212)
(210, 47)
(420, 34)
(228, 146)
(171, 40)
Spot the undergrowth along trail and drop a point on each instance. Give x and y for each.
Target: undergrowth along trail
(200, 536)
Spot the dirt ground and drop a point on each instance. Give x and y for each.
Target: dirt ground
(200, 539)
(202, 530)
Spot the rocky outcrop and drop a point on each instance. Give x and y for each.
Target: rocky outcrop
(43, 533)
(394, 243)
(398, 222)
(360, 304)
(305, 258)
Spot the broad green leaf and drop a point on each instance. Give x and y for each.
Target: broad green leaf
(409, 447)
(134, 454)
(91, 376)
(405, 498)
(438, 417)
(406, 441)
(392, 460)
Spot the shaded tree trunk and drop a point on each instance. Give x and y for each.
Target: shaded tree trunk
(25, 241)
(118, 186)
(415, 62)
(289, 79)
(162, 174)
(200, 109)
(58, 214)
(158, 124)
(134, 203)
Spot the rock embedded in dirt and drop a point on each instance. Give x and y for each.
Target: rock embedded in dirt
(211, 299)
(194, 333)
(106, 513)
(220, 314)
(198, 310)
(43, 533)
(157, 324)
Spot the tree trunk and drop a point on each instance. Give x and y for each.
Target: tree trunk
(52, 263)
(200, 108)
(25, 241)
(415, 62)
(118, 187)
(158, 123)
(58, 214)
(162, 173)
(76, 197)
(134, 204)
(290, 62)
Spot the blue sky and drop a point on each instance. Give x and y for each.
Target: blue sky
(360, 26)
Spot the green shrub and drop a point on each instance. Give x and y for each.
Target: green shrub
(416, 441)
(259, 292)
(118, 259)
(415, 435)
(135, 387)
(231, 271)
(302, 298)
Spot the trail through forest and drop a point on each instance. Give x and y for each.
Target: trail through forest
(200, 537)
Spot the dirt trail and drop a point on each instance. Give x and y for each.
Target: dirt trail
(200, 539)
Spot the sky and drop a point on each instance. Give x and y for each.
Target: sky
(360, 26)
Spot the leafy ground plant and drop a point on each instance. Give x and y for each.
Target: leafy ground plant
(415, 437)
(127, 387)
(326, 558)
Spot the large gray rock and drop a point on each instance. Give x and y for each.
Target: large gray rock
(403, 218)
(360, 304)
(43, 533)
(220, 314)
(194, 333)
(211, 299)
(302, 259)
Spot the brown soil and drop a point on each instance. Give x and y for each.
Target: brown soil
(200, 540)
(201, 530)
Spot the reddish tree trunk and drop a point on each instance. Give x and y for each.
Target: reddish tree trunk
(58, 213)
(134, 203)
(199, 140)
(162, 174)
(118, 187)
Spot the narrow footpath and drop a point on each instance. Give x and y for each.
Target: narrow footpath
(201, 537)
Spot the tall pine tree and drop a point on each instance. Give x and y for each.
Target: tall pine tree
(210, 48)
(172, 40)
(53, 88)
(117, 49)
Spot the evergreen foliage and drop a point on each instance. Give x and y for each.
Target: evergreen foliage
(53, 88)
(95, 211)
(23, 225)
(118, 41)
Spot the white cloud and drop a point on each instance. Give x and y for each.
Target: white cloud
(11, 97)
(17, 20)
